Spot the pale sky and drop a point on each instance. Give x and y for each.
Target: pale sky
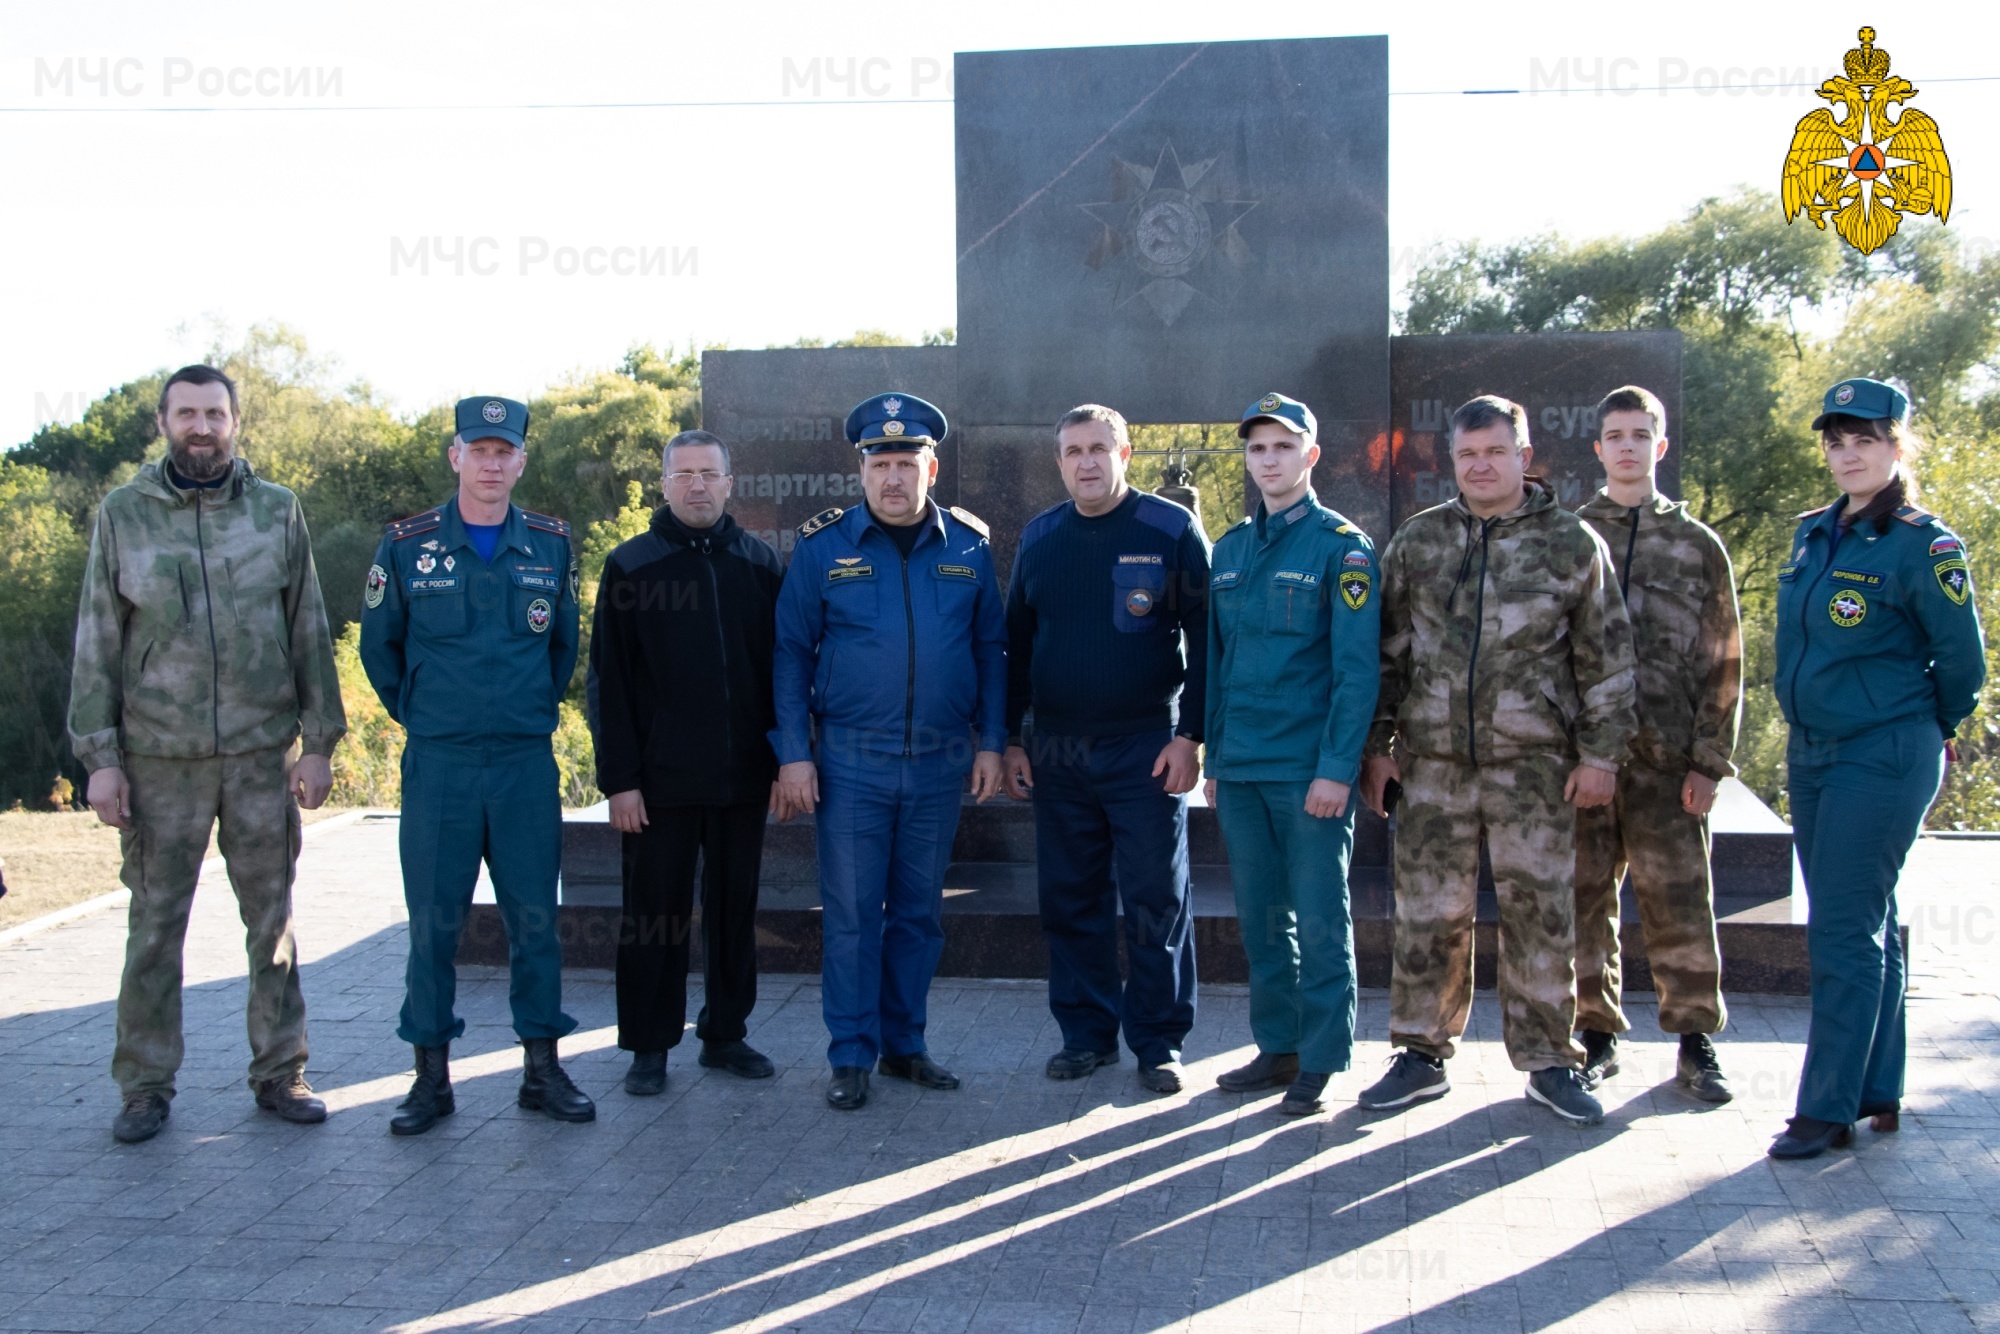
(130, 233)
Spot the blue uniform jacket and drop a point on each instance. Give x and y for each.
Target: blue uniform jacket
(1881, 630)
(1293, 647)
(887, 655)
(462, 650)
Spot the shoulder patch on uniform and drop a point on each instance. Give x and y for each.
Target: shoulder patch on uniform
(823, 519)
(1808, 514)
(548, 523)
(415, 525)
(971, 520)
(1915, 517)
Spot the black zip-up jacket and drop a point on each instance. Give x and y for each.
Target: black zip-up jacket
(680, 665)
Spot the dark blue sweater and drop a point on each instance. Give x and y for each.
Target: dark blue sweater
(1107, 621)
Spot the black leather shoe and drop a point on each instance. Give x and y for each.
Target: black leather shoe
(648, 1076)
(1266, 1071)
(140, 1119)
(1698, 1071)
(919, 1069)
(1303, 1098)
(546, 1087)
(1884, 1118)
(430, 1096)
(292, 1099)
(1808, 1137)
(1076, 1062)
(849, 1090)
(739, 1058)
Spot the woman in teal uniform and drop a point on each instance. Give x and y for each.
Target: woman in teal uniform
(1880, 658)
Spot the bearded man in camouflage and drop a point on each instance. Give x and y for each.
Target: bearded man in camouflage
(1680, 594)
(1506, 706)
(202, 657)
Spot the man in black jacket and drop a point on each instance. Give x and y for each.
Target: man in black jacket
(680, 701)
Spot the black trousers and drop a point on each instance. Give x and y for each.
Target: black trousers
(659, 867)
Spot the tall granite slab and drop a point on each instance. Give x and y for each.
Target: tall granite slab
(1558, 377)
(1173, 230)
(781, 412)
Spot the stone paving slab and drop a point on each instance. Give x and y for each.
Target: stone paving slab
(1016, 1204)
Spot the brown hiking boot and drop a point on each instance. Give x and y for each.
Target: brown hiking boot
(292, 1099)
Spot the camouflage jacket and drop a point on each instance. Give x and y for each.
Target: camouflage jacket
(201, 629)
(1503, 638)
(1680, 594)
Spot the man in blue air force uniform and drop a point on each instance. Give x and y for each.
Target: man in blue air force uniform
(892, 645)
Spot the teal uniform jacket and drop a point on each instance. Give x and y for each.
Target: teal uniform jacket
(1879, 629)
(1295, 608)
(463, 650)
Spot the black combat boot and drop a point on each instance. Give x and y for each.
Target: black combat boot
(430, 1096)
(546, 1088)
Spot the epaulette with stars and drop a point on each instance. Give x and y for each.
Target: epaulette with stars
(414, 526)
(548, 523)
(823, 519)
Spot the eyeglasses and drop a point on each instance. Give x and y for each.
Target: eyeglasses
(706, 477)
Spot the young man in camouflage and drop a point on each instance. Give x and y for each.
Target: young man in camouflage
(1507, 701)
(202, 655)
(1680, 595)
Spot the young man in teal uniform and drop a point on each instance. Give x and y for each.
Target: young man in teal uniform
(1294, 637)
(469, 636)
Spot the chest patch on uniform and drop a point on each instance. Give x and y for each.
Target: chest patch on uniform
(1142, 559)
(377, 586)
(1862, 577)
(1946, 545)
(1297, 578)
(1225, 578)
(426, 563)
(958, 571)
(539, 614)
(1139, 602)
(1355, 558)
(537, 576)
(1848, 609)
(443, 583)
(1952, 578)
(1354, 588)
(839, 573)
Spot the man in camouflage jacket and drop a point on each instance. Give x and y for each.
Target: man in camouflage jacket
(1680, 594)
(1507, 697)
(202, 655)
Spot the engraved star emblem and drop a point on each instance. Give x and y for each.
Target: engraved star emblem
(1165, 225)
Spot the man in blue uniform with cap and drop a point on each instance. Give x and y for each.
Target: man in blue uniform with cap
(892, 645)
(469, 636)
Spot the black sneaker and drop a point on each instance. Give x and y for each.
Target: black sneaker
(1561, 1090)
(1699, 1072)
(739, 1058)
(648, 1076)
(1076, 1062)
(1600, 1052)
(141, 1118)
(1413, 1077)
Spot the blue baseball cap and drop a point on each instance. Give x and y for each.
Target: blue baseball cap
(1870, 400)
(489, 418)
(1289, 413)
(889, 423)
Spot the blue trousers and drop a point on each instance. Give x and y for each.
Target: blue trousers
(884, 830)
(1857, 805)
(1107, 834)
(1290, 874)
(464, 802)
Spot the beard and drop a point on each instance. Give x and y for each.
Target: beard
(200, 456)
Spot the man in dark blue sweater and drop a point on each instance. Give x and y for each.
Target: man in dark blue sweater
(1107, 625)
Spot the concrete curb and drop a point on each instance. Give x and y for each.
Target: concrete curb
(118, 898)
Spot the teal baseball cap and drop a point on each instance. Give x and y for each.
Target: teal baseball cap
(490, 418)
(1871, 400)
(1293, 415)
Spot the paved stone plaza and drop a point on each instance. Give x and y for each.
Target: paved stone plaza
(1016, 1204)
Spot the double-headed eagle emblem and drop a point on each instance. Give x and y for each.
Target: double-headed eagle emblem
(1865, 170)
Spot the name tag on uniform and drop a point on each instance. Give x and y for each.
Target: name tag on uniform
(1299, 578)
(1225, 578)
(1787, 573)
(1142, 560)
(958, 571)
(441, 583)
(1862, 577)
(543, 577)
(840, 572)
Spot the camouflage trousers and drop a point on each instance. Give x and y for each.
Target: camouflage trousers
(1530, 834)
(175, 803)
(1666, 850)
